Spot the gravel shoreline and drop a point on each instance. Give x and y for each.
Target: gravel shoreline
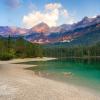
(16, 83)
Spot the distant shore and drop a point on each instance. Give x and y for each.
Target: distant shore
(84, 57)
(16, 83)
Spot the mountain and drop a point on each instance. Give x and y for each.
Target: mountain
(86, 22)
(83, 23)
(40, 28)
(66, 33)
(80, 37)
(12, 31)
(61, 28)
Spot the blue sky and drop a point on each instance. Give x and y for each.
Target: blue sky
(27, 13)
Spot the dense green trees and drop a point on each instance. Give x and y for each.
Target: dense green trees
(20, 48)
(15, 48)
(76, 51)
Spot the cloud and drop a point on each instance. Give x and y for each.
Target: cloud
(13, 4)
(53, 14)
(52, 6)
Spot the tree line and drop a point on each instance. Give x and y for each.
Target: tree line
(19, 48)
(74, 51)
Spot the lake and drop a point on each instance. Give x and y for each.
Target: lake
(85, 73)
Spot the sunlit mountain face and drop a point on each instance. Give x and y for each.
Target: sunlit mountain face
(40, 28)
(7, 30)
(43, 34)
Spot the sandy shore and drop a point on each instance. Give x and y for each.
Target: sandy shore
(16, 83)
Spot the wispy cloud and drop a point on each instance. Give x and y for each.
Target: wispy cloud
(52, 6)
(53, 14)
(13, 4)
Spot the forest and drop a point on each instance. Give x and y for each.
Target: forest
(19, 48)
(74, 51)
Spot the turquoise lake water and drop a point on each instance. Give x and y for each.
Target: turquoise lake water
(75, 71)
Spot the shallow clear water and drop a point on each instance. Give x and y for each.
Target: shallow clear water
(75, 71)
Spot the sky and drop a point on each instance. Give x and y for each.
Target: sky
(28, 13)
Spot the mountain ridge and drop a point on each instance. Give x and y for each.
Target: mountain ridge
(43, 34)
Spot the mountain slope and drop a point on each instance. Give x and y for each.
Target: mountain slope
(5, 31)
(82, 36)
(43, 34)
(40, 28)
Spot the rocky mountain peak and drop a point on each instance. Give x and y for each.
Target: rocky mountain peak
(41, 28)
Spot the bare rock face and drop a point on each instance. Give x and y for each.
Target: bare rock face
(40, 28)
(12, 30)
